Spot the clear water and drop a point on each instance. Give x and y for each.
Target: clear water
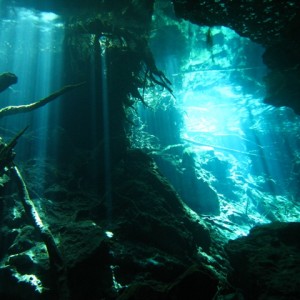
(31, 48)
(246, 151)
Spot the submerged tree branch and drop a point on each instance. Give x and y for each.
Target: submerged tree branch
(13, 110)
(6, 150)
(55, 257)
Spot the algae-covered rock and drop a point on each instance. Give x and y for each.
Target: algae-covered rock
(266, 264)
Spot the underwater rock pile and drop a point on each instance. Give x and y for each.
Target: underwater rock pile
(266, 264)
(149, 243)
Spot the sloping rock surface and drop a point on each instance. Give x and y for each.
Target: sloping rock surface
(267, 262)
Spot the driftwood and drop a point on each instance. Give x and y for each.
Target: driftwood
(13, 110)
(221, 148)
(6, 151)
(57, 266)
(55, 257)
(6, 160)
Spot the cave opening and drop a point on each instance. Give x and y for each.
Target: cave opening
(215, 139)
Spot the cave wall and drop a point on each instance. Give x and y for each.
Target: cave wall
(273, 24)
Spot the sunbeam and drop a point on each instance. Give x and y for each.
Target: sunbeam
(31, 45)
(235, 146)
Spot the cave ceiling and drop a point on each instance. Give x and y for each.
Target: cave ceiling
(273, 24)
(266, 22)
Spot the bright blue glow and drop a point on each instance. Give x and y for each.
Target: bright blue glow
(106, 131)
(31, 47)
(219, 91)
(48, 17)
(241, 130)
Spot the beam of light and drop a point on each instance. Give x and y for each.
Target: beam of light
(31, 43)
(220, 92)
(241, 129)
(106, 131)
(48, 17)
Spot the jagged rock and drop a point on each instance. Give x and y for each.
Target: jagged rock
(144, 291)
(86, 253)
(80, 240)
(155, 237)
(263, 22)
(197, 282)
(266, 263)
(274, 24)
(6, 80)
(24, 240)
(194, 191)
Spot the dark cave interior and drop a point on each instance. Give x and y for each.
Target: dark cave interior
(128, 186)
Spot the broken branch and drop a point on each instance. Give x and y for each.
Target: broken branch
(55, 257)
(13, 110)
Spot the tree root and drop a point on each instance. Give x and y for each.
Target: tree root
(56, 261)
(13, 110)
(6, 150)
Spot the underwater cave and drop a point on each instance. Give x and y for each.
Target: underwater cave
(149, 150)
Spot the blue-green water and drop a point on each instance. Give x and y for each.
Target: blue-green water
(141, 184)
(241, 149)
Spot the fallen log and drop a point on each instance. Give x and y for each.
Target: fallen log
(57, 265)
(6, 150)
(13, 110)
